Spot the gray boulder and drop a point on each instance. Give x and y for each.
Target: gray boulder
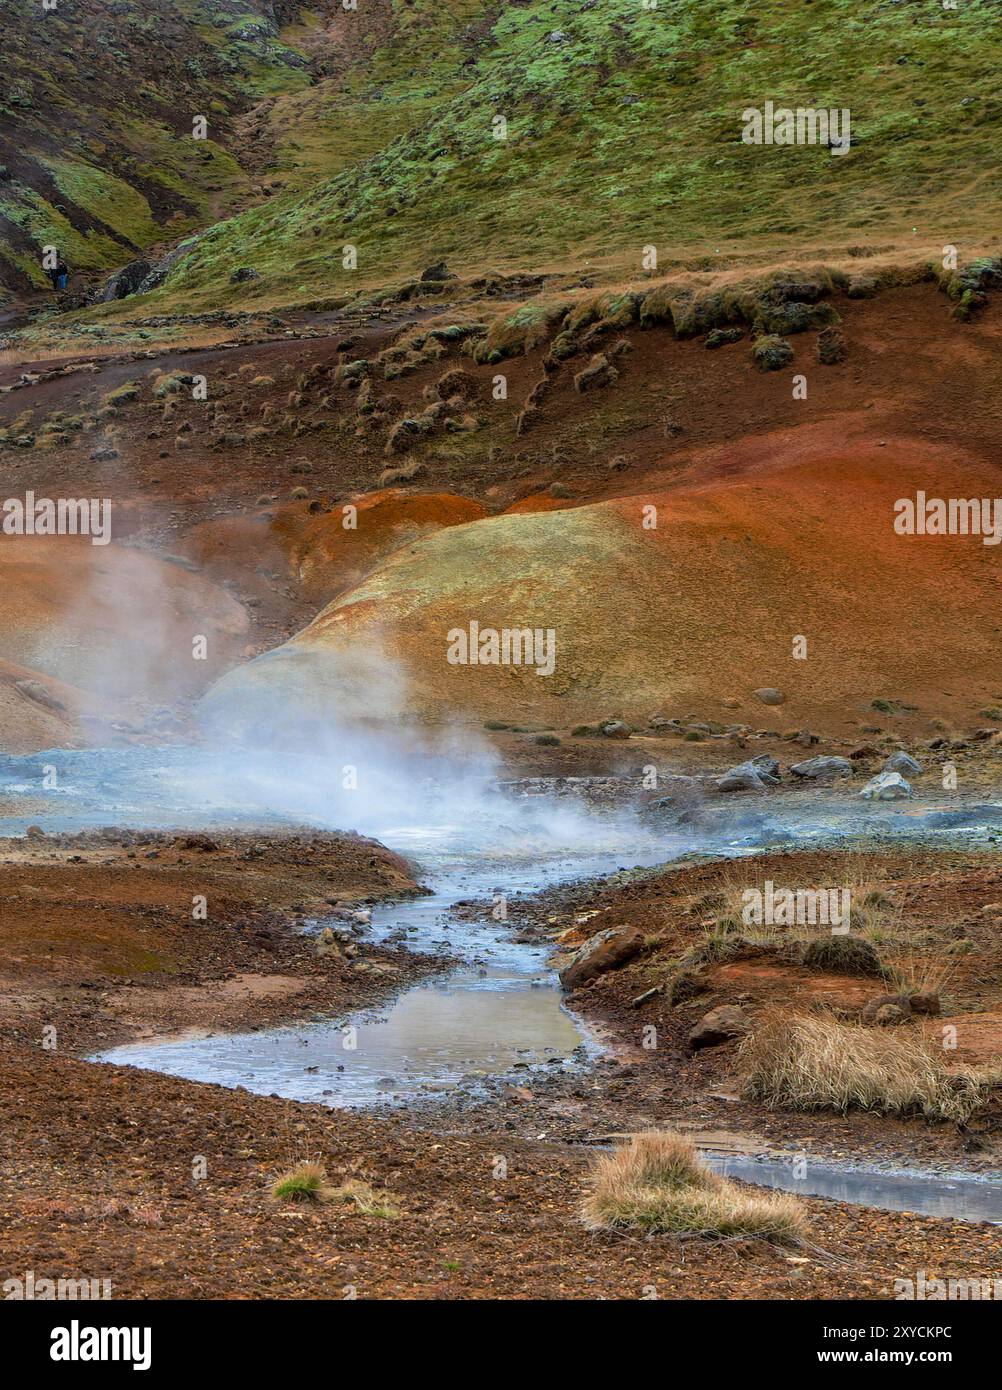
(886, 786)
(754, 775)
(125, 281)
(769, 695)
(823, 769)
(903, 762)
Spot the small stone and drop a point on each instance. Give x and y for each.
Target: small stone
(601, 952)
(890, 1016)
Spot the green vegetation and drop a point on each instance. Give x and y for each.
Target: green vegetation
(376, 130)
(623, 130)
(96, 116)
(305, 1183)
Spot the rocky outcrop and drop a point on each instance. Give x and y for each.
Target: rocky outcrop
(904, 763)
(754, 775)
(125, 281)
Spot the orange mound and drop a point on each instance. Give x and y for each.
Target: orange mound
(331, 554)
(112, 621)
(783, 536)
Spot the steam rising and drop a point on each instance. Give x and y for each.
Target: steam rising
(324, 738)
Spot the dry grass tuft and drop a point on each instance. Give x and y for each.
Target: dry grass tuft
(928, 974)
(816, 1062)
(658, 1184)
(369, 1202)
(307, 1182)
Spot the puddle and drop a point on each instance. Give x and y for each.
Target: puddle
(924, 1194)
(437, 1036)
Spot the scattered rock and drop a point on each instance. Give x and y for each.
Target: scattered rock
(924, 1003)
(125, 281)
(831, 346)
(599, 372)
(604, 951)
(647, 995)
(754, 775)
(439, 271)
(898, 1002)
(886, 786)
(35, 690)
(822, 769)
(720, 1025)
(903, 762)
(328, 943)
(890, 1016)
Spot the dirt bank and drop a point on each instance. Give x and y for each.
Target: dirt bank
(96, 1180)
(940, 925)
(98, 939)
(776, 513)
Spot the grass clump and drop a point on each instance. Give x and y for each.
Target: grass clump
(771, 353)
(844, 955)
(658, 1184)
(307, 1182)
(122, 395)
(817, 1062)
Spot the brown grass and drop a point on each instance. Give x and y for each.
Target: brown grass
(816, 1062)
(658, 1184)
(363, 1197)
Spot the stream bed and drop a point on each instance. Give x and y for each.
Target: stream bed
(500, 1012)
